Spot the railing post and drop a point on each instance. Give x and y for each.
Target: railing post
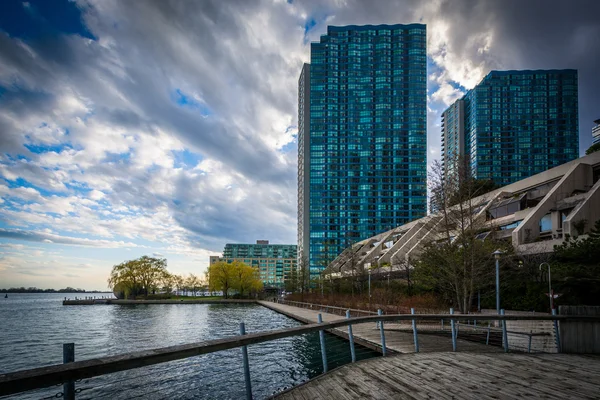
(351, 338)
(383, 350)
(323, 351)
(529, 345)
(246, 365)
(415, 334)
(504, 334)
(68, 357)
(556, 332)
(453, 326)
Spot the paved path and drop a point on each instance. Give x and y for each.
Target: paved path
(368, 334)
(458, 376)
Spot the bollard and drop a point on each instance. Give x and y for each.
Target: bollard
(487, 340)
(504, 335)
(556, 332)
(246, 364)
(415, 334)
(453, 327)
(68, 357)
(442, 323)
(351, 338)
(323, 351)
(529, 345)
(383, 350)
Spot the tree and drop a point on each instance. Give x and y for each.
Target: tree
(192, 283)
(138, 277)
(303, 275)
(458, 262)
(246, 278)
(576, 270)
(221, 276)
(179, 283)
(593, 148)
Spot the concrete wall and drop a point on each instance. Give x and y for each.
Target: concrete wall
(579, 177)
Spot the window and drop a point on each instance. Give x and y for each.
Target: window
(546, 223)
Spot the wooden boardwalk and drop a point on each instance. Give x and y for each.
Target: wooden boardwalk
(397, 340)
(458, 376)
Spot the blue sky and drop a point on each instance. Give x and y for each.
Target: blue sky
(168, 128)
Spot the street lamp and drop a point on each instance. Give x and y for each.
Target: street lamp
(550, 292)
(369, 286)
(497, 255)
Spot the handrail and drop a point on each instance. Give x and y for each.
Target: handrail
(327, 306)
(20, 381)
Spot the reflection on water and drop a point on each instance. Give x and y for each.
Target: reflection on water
(34, 327)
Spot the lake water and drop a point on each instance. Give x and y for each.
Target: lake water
(33, 328)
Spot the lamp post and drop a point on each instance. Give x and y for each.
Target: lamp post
(550, 292)
(369, 286)
(497, 255)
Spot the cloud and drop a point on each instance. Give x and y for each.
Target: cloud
(171, 126)
(45, 237)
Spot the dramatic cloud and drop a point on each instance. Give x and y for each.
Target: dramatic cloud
(168, 127)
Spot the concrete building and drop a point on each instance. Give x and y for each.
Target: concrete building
(596, 132)
(514, 124)
(362, 143)
(273, 261)
(535, 214)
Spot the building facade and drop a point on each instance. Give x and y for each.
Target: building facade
(596, 132)
(273, 261)
(362, 136)
(514, 124)
(534, 214)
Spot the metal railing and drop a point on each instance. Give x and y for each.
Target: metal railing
(71, 372)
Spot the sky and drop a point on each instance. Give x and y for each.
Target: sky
(168, 128)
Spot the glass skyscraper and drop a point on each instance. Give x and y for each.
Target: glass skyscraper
(514, 124)
(362, 157)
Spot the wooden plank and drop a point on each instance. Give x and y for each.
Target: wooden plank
(464, 376)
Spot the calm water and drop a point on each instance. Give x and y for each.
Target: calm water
(34, 326)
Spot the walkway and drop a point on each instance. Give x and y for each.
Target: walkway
(458, 376)
(368, 334)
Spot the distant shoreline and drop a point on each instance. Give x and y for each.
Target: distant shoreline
(87, 302)
(42, 291)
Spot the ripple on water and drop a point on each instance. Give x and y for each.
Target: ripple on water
(34, 327)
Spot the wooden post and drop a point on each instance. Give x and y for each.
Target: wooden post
(453, 326)
(504, 334)
(351, 338)
(415, 334)
(556, 332)
(383, 351)
(246, 364)
(68, 357)
(323, 351)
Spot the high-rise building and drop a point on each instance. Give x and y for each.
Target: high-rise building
(596, 132)
(273, 261)
(362, 157)
(514, 124)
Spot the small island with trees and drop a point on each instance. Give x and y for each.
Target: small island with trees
(147, 278)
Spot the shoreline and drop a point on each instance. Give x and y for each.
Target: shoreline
(86, 302)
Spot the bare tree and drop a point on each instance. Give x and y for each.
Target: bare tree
(458, 261)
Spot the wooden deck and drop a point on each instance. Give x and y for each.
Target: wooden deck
(458, 376)
(397, 340)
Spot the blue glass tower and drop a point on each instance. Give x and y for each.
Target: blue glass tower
(362, 137)
(514, 124)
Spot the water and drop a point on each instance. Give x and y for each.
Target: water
(33, 328)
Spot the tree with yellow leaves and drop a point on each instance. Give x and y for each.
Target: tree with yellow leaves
(233, 276)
